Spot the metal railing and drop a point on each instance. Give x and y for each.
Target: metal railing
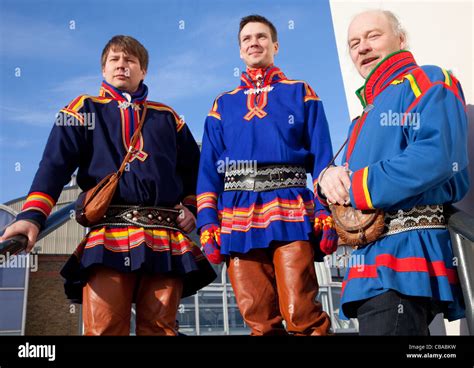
(460, 224)
(461, 227)
(18, 243)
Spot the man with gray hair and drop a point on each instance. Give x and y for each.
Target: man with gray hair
(406, 155)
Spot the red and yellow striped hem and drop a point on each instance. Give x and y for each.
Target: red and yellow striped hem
(120, 240)
(261, 216)
(409, 264)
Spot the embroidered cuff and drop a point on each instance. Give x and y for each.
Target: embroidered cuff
(359, 191)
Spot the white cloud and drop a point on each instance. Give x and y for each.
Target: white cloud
(27, 37)
(83, 84)
(16, 144)
(185, 75)
(25, 115)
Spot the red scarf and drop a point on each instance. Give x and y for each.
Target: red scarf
(257, 75)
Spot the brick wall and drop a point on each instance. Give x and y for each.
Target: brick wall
(48, 310)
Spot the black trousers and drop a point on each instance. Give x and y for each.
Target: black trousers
(392, 313)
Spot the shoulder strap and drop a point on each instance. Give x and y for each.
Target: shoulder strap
(133, 141)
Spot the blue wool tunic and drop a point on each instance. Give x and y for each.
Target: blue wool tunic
(92, 134)
(408, 148)
(282, 123)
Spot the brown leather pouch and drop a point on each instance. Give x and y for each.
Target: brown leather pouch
(92, 204)
(356, 227)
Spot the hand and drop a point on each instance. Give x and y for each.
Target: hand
(211, 243)
(335, 183)
(329, 239)
(186, 219)
(22, 227)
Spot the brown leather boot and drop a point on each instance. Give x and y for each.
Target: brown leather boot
(157, 302)
(107, 302)
(253, 280)
(297, 289)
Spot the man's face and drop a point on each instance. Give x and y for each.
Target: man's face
(256, 46)
(371, 38)
(123, 71)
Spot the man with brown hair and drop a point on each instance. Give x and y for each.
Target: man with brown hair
(140, 251)
(261, 217)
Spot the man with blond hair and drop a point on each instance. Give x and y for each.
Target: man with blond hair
(406, 155)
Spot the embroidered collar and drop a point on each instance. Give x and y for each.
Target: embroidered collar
(129, 99)
(269, 75)
(391, 67)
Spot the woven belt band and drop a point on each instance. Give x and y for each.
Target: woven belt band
(416, 218)
(147, 217)
(266, 178)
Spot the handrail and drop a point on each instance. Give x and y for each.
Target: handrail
(460, 224)
(18, 243)
(461, 227)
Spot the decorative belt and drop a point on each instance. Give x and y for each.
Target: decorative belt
(266, 178)
(416, 218)
(147, 217)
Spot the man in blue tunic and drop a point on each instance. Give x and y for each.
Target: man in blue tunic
(140, 251)
(254, 208)
(407, 155)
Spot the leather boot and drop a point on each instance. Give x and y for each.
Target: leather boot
(107, 302)
(157, 300)
(253, 280)
(297, 289)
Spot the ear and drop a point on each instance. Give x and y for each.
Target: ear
(276, 47)
(103, 72)
(403, 42)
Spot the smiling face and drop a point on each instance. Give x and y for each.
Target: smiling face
(371, 38)
(123, 71)
(257, 48)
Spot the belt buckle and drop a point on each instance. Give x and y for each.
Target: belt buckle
(278, 176)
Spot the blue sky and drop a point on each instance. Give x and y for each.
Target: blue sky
(57, 45)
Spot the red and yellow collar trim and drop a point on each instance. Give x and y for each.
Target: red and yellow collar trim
(392, 67)
(270, 74)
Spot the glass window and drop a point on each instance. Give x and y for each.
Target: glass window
(12, 282)
(11, 311)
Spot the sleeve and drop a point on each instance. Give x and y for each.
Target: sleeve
(210, 181)
(436, 152)
(188, 166)
(318, 140)
(60, 159)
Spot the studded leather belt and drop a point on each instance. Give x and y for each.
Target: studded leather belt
(415, 218)
(147, 217)
(268, 177)
(422, 217)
